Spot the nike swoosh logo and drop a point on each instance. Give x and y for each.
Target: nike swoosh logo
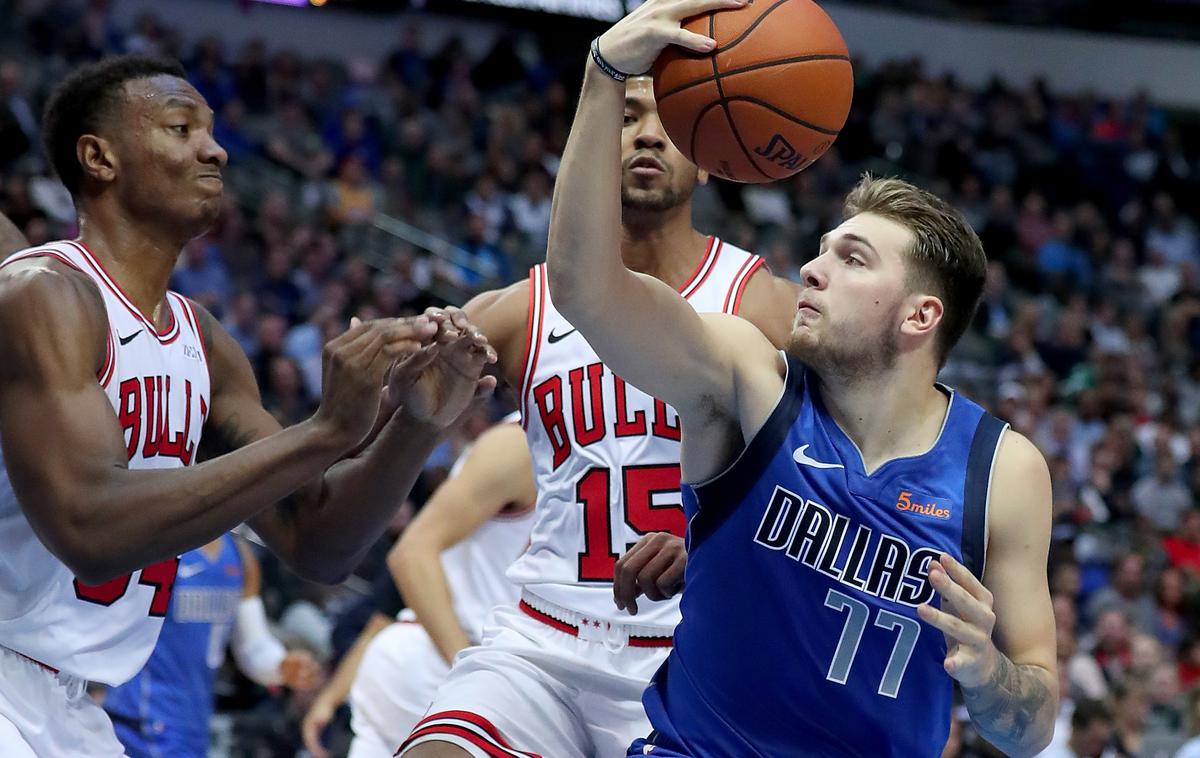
(801, 457)
(556, 337)
(188, 570)
(127, 340)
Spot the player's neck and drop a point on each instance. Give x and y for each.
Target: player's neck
(664, 245)
(888, 416)
(140, 256)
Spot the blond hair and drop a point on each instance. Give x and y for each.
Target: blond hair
(946, 255)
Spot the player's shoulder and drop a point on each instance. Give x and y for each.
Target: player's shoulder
(502, 314)
(45, 287)
(514, 294)
(1020, 482)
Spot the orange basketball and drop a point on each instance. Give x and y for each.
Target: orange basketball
(768, 101)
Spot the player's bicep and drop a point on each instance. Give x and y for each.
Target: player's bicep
(653, 339)
(1019, 518)
(52, 337)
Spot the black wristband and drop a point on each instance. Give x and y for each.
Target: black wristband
(604, 65)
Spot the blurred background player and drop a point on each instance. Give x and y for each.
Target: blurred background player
(562, 672)
(166, 708)
(449, 565)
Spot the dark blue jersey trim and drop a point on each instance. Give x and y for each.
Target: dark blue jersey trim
(975, 491)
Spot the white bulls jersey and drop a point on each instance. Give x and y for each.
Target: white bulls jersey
(605, 454)
(475, 567)
(158, 385)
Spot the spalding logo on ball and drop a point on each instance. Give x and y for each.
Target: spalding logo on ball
(768, 101)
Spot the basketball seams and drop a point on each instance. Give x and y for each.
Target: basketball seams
(780, 112)
(745, 32)
(749, 68)
(725, 103)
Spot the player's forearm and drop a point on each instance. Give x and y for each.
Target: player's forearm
(358, 497)
(128, 519)
(422, 582)
(583, 255)
(1015, 709)
(338, 689)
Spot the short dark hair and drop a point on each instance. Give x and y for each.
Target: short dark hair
(80, 103)
(947, 255)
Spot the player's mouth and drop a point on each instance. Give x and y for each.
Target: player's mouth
(647, 166)
(212, 177)
(805, 305)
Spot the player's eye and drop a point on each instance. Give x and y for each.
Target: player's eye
(181, 129)
(629, 119)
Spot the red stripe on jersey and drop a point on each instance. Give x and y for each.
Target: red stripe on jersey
(110, 360)
(537, 312)
(189, 312)
(683, 288)
(737, 300)
(712, 266)
(571, 629)
(548, 620)
(165, 336)
(425, 727)
(456, 731)
(733, 286)
(47, 252)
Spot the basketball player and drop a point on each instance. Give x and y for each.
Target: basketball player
(841, 503)
(107, 381)
(561, 674)
(167, 707)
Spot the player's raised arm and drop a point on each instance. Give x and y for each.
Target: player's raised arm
(497, 473)
(638, 325)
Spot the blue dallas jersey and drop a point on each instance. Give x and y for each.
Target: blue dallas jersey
(165, 709)
(800, 635)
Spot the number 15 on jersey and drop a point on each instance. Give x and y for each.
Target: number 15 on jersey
(639, 486)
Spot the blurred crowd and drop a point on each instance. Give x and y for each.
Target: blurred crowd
(376, 189)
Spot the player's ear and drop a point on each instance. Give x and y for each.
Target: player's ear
(701, 176)
(924, 314)
(96, 157)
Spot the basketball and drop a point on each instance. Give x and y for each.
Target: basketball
(768, 101)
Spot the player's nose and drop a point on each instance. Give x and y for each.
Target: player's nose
(650, 133)
(812, 274)
(212, 152)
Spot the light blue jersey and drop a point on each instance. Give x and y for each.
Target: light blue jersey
(165, 709)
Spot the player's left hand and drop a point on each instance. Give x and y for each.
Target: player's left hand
(966, 618)
(300, 671)
(653, 567)
(634, 42)
(436, 384)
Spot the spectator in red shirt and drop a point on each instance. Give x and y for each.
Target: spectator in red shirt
(1183, 548)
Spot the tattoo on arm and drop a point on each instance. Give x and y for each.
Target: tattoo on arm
(1012, 701)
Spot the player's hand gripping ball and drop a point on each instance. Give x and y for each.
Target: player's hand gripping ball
(767, 101)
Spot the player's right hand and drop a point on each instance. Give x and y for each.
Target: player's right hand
(634, 42)
(653, 567)
(353, 367)
(318, 717)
